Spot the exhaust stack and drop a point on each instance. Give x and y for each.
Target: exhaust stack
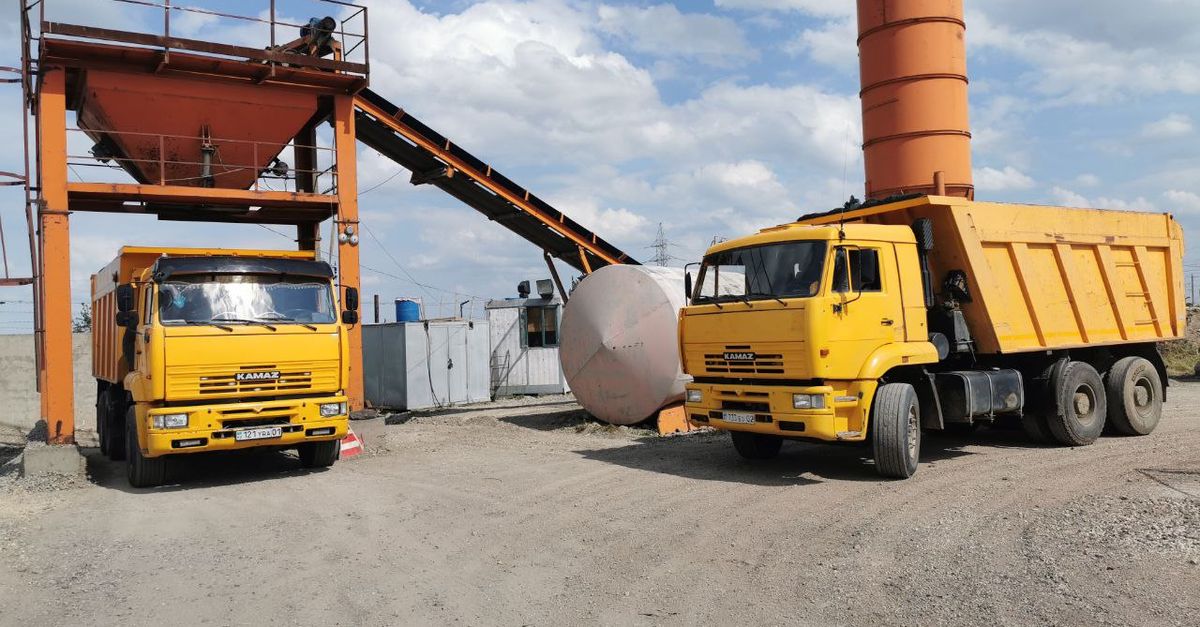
(913, 69)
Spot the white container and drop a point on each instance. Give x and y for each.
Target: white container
(620, 348)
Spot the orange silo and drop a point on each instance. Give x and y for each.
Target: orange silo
(913, 68)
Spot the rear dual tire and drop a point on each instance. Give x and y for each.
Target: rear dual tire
(1080, 405)
(1135, 396)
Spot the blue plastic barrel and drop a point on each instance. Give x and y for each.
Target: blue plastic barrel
(407, 310)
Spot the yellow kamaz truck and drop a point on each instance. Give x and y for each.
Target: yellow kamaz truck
(214, 350)
(872, 323)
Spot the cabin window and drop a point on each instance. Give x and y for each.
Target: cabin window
(539, 327)
(864, 270)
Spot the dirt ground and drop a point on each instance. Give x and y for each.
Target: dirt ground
(528, 516)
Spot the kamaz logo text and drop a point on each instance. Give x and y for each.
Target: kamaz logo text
(257, 376)
(740, 356)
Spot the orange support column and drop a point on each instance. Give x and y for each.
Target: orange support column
(347, 191)
(57, 377)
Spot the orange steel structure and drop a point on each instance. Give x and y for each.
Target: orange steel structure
(913, 68)
(200, 127)
(197, 125)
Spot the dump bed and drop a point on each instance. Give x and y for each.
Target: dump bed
(1045, 278)
(107, 364)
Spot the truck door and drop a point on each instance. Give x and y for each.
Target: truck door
(141, 340)
(867, 308)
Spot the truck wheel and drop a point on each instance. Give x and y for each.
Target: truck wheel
(1080, 405)
(756, 445)
(1135, 397)
(319, 454)
(102, 420)
(114, 428)
(1035, 419)
(896, 427)
(143, 472)
(1034, 424)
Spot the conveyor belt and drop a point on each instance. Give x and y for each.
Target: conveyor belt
(435, 160)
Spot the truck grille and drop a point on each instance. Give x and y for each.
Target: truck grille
(220, 382)
(715, 363)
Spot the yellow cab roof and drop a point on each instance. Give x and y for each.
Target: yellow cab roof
(824, 232)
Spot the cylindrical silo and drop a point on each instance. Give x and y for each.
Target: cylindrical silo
(913, 68)
(620, 348)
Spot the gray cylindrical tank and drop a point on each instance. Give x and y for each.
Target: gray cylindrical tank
(619, 348)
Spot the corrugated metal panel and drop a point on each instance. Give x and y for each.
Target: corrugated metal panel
(417, 365)
(515, 368)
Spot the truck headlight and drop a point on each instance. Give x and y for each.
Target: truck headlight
(328, 410)
(808, 401)
(169, 421)
(695, 396)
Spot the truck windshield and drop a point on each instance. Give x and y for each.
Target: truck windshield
(784, 270)
(245, 298)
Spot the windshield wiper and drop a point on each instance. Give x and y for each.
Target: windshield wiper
(772, 296)
(283, 318)
(208, 323)
(248, 321)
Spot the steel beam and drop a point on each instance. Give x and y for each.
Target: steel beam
(346, 151)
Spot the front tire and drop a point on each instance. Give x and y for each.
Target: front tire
(1135, 396)
(142, 471)
(756, 446)
(319, 454)
(896, 428)
(1080, 405)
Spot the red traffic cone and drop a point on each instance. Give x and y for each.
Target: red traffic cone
(352, 445)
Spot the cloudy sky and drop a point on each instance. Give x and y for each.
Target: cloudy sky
(711, 117)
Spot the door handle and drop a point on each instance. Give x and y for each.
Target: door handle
(887, 322)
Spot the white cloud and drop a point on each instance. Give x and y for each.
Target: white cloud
(1073, 70)
(820, 8)
(1068, 198)
(1087, 180)
(1170, 127)
(1183, 201)
(661, 30)
(833, 44)
(1009, 178)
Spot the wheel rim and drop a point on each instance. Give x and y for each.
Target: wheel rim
(913, 431)
(1083, 404)
(1143, 396)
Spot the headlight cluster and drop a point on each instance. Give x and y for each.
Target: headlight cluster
(695, 396)
(808, 401)
(329, 410)
(169, 421)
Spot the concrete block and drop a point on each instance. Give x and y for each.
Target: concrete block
(43, 460)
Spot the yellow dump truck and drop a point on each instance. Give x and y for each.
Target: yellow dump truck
(873, 323)
(213, 350)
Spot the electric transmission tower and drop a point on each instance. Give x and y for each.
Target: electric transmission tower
(662, 252)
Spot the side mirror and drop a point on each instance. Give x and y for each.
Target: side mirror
(349, 317)
(352, 300)
(125, 297)
(125, 318)
(687, 288)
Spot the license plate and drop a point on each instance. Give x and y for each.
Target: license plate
(257, 434)
(737, 417)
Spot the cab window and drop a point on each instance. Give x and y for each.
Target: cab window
(863, 274)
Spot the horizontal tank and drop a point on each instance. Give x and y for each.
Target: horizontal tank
(619, 346)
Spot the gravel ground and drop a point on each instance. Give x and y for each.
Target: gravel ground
(529, 515)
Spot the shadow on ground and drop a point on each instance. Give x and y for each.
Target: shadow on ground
(710, 456)
(202, 470)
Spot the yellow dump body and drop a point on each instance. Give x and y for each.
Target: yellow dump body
(1043, 278)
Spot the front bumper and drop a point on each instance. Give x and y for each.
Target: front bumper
(843, 418)
(215, 427)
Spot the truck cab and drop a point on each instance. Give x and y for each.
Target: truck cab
(217, 350)
(789, 330)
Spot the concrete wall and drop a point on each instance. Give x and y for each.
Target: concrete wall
(18, 383)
